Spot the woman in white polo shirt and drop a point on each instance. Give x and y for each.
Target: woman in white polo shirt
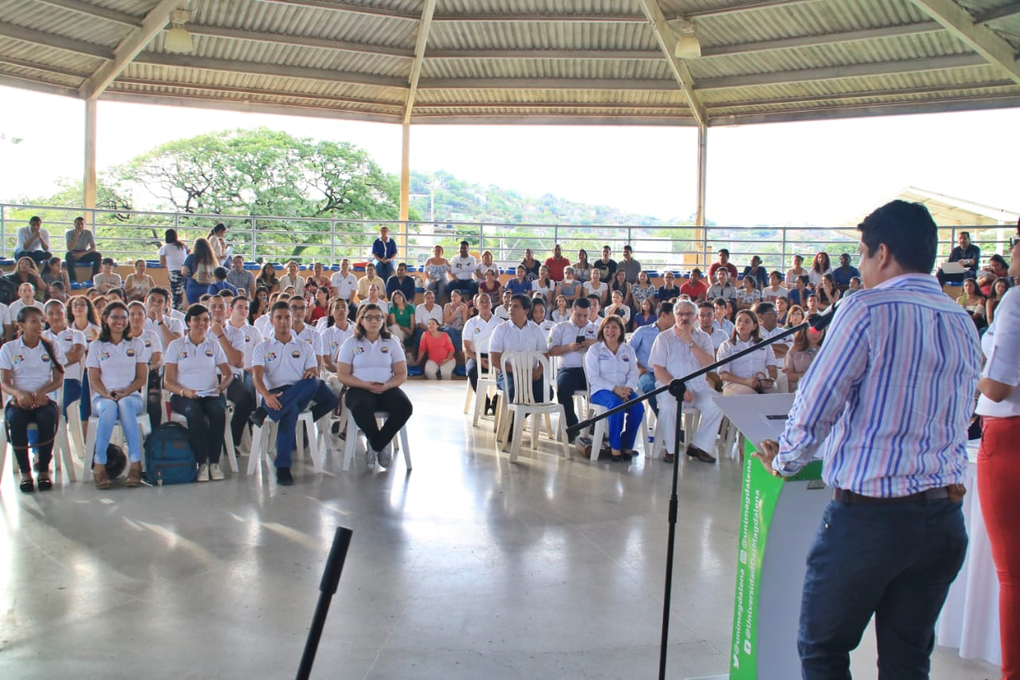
(72, 346)
(196, 391)
(372, 366)
(611, 367)
(117, 373)
(752, 374)
(30, 369)
(26, 298)
(137, 317)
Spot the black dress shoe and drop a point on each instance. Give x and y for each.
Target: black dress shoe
(694, 452)
(629, 453)
(668, 458)
(283, 477)
(258, 416)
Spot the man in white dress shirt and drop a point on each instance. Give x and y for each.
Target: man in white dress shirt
(517, 335)
(463, 266)
(477, 332)
(675, 354)
(569, 341)
(345, 286)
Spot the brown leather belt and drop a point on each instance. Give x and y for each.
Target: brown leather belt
(920, 498)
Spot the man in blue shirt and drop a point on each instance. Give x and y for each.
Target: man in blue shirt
(885, 405)
(966, 254)
(642, 340)
(402, 282)
(384, 250)
(844, 272)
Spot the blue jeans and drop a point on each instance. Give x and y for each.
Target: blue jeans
(293, 400)
(620, 436)
(893, 561)
(384, 271)
(646, 383)
(110, 412)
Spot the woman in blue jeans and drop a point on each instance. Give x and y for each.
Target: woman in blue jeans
(610, 366)
(117, 374)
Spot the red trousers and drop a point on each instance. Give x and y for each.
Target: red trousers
(998, 477)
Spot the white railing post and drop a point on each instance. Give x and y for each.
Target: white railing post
(254, 246)
(3, 233)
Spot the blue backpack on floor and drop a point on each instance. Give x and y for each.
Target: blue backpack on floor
(168, 456)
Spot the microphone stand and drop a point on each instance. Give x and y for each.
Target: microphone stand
(677, 388)
(327, 588)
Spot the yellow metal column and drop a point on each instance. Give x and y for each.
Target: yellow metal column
(405, 172)
(89, 182)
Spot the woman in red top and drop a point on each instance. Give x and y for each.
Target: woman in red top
(320, 306)
(436, 353)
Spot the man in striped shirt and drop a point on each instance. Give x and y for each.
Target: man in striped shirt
(885, 405)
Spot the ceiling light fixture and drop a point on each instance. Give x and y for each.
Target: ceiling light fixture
(177, 38)
(688, 46)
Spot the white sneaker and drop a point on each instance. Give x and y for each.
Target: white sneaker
(203, 473)
(386, 455)
(370, 457)
(215, 473)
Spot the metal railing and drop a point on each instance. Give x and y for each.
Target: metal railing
(130, 235)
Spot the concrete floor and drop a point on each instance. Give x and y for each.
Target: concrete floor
(466, 568)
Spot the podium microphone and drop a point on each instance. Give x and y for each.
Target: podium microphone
(820, 322)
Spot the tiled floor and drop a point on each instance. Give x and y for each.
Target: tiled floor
(466, 568)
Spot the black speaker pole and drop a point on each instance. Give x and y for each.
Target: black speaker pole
(327, 588)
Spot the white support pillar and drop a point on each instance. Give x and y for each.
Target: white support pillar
(89, 181)
(702, 172)
(405, 171)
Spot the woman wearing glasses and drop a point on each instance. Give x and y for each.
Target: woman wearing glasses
(372, 366)
(117, 373)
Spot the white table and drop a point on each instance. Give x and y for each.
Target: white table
(970, 617)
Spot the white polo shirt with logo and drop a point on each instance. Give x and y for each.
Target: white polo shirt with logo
(565, 333)
(252, 337)
(371, 361)
(116, 362)
(67, 339)
(344, 285)
(32, 367)
(197, 364)
(283, 363)
(478, 331)
(463, 268)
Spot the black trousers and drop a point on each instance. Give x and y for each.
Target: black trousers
(92, 258)
(363, 405)
(18, 420)
(568, 381)
(241, 392)
(154, 400)
(207, 417)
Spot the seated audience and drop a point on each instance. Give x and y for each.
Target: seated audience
(582, 268)
(543, 285)
(368, 280)
(26, 298)
(519, 285)
(267, 278)
(707, 313)
(517, 334)
(71, 344)
(694, 288)
(747, 294)
(538, 315)
(618, 308)
(25, 271)
(606, 265)
(477, 331)
(795, 272)
(722, 263)
(292, 277)
(491, 288)
(646, 313)
(855, 285)
(754, 373)
(596, 287)
(530, 264)
(436, 353)
(197, 392)
(138, 284)
(503, 311)
(455, 315)
(570, 288)
(221, 283)
(827, 292)
(485, 266)
(757, 272)
(118, 373)
(642, 341)
(437, 273)
(620, 285)
(384, 252)
(422, 313)
(775, 288)
(33, 242)
(568, 341)
(974, 302)
(318, 276)
(372, 366)
(806, 343)
(643, 290)
(562, 310)
(997, 269)
(53, 272)
(794, 316)
(557, 264)
(344, 285)
(240, 278)
(723, 315)
(242, 338)
(798, 295)
(669, 290)
(999, 290)
(374, 298)
(31, 370)
(400, 317)
(723, 287)
(782, 308)
(819, 268)
(966, 254)
(610, 366)
(463, 266)
(842, 274)
(768, 317)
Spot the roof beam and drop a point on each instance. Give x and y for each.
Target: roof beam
(269, 70)
(848, 96)
(740, 7)
(538, 18)
(9, 80)
(667, 43)
(427, 13)
(128, 49)
(982, 40)
(822, 39)
(37, 66)
(299, 41)
(58, 42)
(96, 12)
(839, 72)
(609, 84)
(396, 106)
(988, 16)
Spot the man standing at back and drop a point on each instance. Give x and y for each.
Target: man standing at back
(885, 405)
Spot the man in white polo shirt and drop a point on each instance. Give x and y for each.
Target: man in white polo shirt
(517, 335)
(166, 327)
(463, 266)
(569, 341)
(683, 349)
(285, 372)
(304, 332)
(345, 286)
(233, 341)
(477, 332)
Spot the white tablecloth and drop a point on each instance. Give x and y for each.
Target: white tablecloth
(970, 618)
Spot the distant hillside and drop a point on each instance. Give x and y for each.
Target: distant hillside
(456, 200)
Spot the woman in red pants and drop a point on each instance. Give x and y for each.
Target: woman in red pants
(999, 462)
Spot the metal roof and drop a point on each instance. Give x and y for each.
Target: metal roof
(525, 61)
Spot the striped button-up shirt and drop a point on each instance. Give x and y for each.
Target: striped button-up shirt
(887, 401)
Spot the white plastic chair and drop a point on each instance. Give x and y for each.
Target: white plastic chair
(521, 366)
(486, 383)
(262, 436)
(691, 419)
(61, 447)
(228, 437)
(74, 431)
(354, 435)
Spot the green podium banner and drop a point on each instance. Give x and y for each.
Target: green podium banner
(778, 521)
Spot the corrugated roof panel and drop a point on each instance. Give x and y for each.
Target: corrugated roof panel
(270, 17)
(549, 96)
(62, 22)
(38, 76)
(47, 56)
(528, 68)
(543, 36)
(444, 7)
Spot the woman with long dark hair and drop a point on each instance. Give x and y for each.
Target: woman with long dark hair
(199, 270)
(172, 256)
(30, 369)
(373, 366)
(751, 374)
(267, 278)
(821, 266)
(218, 243)
(117, 373)
(25, 271)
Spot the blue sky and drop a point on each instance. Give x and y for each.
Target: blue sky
(823, 173)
